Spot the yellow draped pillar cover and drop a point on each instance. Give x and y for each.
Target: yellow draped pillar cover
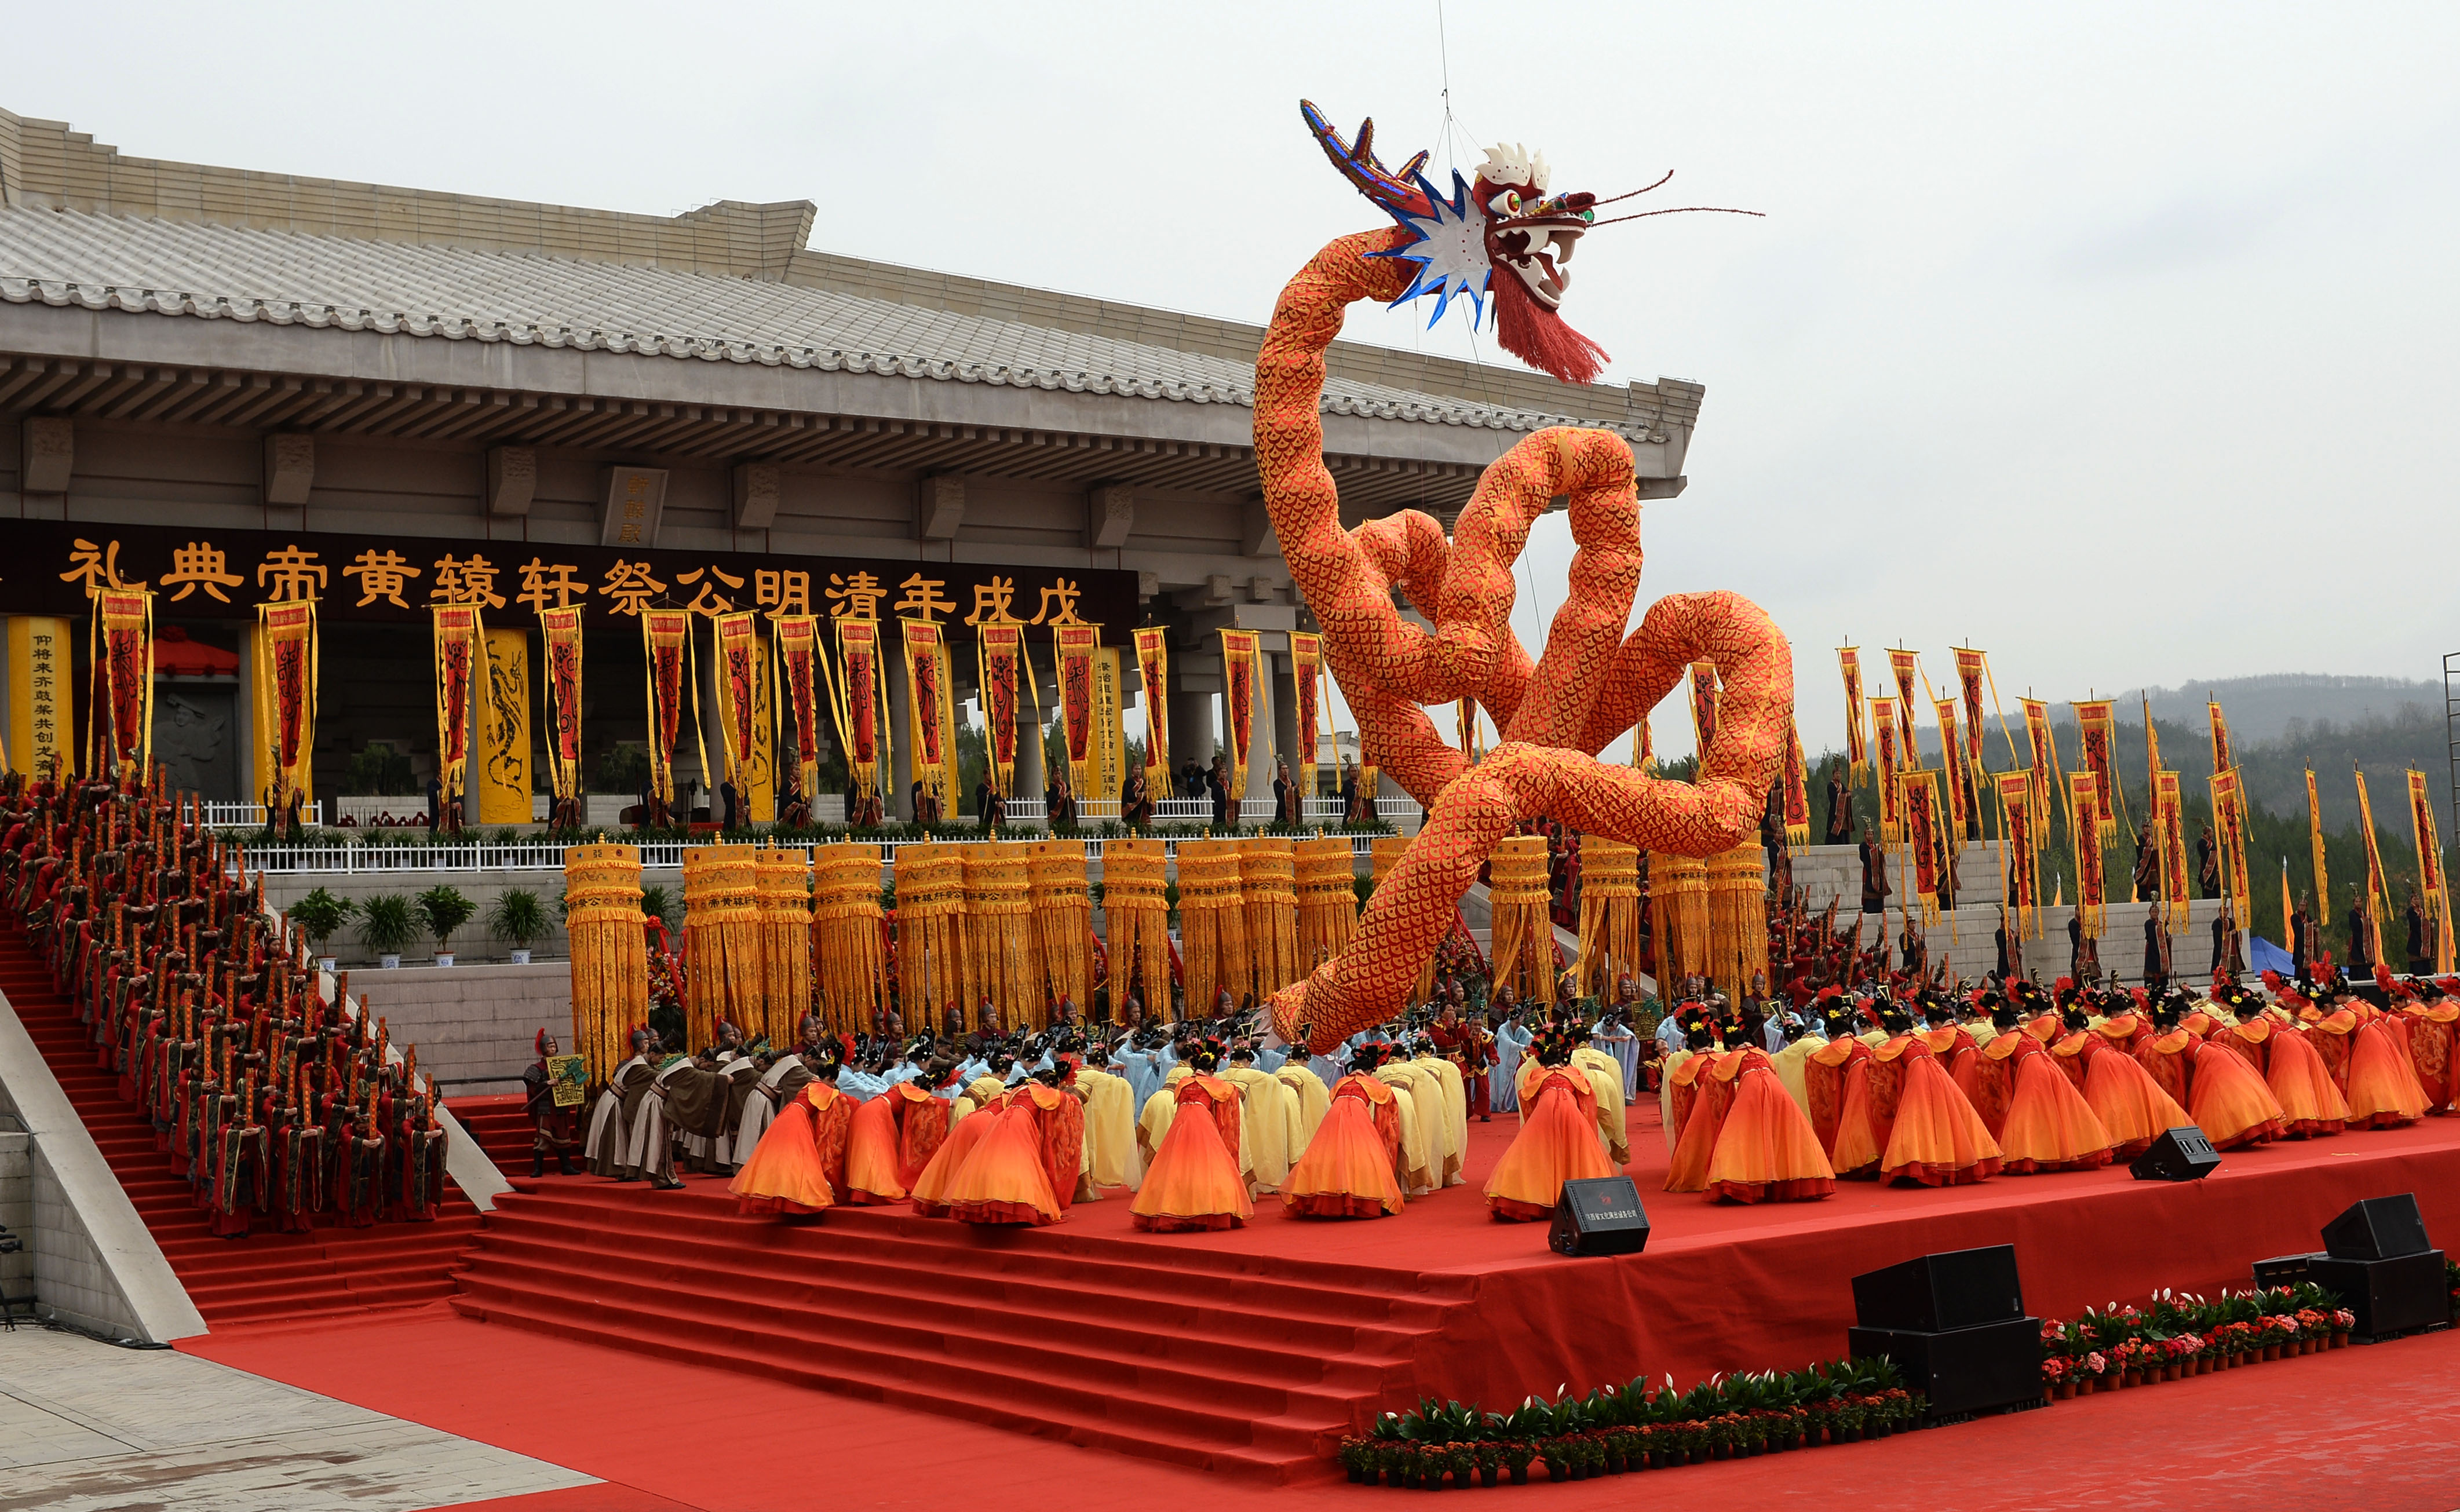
(784, 879)
(1327, 900)
(999, 931)
(1063, 920)
(1609, 914)
(722, 942)
(1678, 902)
(610, 960)
(1268, 885)
(848, 954)
(1523, 934)
(1212, 925)
(1135, 918)
(933, 975)
(1737, 918)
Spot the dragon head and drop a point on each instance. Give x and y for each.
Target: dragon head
(1506, 220)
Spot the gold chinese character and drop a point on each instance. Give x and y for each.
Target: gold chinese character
(200, 564)
(1066, 594)
(471, 581)
(96, 567)
(709, 601)
(292, 574)
(537, 585)
(381, 576)
(992, 601)
(923, 597)
(628, 536)
(785, 592)
(858, 595)
(629, 585)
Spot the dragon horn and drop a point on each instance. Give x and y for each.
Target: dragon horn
(1390, 192)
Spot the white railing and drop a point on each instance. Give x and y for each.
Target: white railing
(226, 816)
(353, 857)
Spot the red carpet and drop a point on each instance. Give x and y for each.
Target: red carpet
(499, 1127)
(266, 1277)
(2358, 1430)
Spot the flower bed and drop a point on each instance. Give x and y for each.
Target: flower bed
(2174, 1336)
(1644, 1426)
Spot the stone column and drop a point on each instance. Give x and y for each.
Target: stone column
(901, 699)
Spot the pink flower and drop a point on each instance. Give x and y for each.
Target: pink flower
(2095, 1363)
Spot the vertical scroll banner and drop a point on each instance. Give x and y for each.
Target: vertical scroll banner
(2096, 733)
(801, 679)
(931, 713)
(2315, 849)
(123, 675)
(561, 630)
(1906, 666)
(2228, 814)
(2377, 889)
(1075, 647)
(503, 728)
(1925, 839)
(1109, 735)
(2169, 807)
(1001, 648)
(1972, 669)
(2085, 826)
(1883, 727)
(2223, 759)
(2020, 881)
(42, 701)
(2047, 780)
(666, 637)
(1307, 681)
(1239, 685)
(1152, 669)
(1857, 750)
(2434, 890)
(861, 693)
(1955, 773)
(1797, 790)
(286, 702)
(460, 643)
(739, 678)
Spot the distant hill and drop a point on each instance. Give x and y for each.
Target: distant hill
(2272, 708)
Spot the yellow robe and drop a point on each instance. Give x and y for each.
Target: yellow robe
(1267, 1122)
(1789, 1068)
(1606, 1074)
(978, 1095)
(1314, 1100)
(1455, 1106)
(1421, 1144)
(1110, 1125)
(1159, 1109)
(1666, 1096)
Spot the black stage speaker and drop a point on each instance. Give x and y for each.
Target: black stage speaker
(1957, 1289)
(1970, 1370)
(2179, 1155)
(2388, 1297)
(2377, 1228)
(2286, 1270)
(1600, 1216)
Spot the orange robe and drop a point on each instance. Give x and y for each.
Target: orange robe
(923, 1123)
(2125, 1032)
(931, 1185)
(1766, 1148)
(799, 1165)
(2049, 1125)
(2251, 1040)
(1987, 1077)
(871, 1155)
(1824, 1075)
(1004, 1179)
(2072, 1052)
(2230, 1103)
(2333, 1036)
(1349, 1168)
(2310, 1103)
(1868, 1118)
(2132, 1108)
(1934, 1135)
(1557, 1142)
(2383, 1090)
(2434, 1036)
(2171, 1059)
(1712, 1092)
(1193, 1182)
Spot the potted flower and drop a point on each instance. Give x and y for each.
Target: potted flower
(1515, 1454)
(318, 915)
(1357, 1453)
(519, 917)
(385, 925)
(1487, 1456)
(445, 910)
(2055, 1378)
(2342, 1321)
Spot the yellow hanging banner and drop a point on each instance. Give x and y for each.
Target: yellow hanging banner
(42, 718)
(505, 729)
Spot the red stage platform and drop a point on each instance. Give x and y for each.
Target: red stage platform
(1248, 1350)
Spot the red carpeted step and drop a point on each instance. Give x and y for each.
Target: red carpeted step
(265, 1277)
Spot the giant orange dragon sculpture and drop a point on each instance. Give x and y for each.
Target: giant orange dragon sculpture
(1504, 238)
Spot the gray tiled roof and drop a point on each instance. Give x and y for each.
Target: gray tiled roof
(220, 273)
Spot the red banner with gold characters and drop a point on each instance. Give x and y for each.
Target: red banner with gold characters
(1954, 772)
(2019, 881)
(2169, 806)
(2048, 782)
(1076, 645)
(1924, 838)
(1153, 667)
(1883, 726)
(665, 640)
(1704, 706)
(1906, 666)
(1797, 788)
(2084, 799)
(2095, 737)
(930, 717)
(740, 672)
(1307, 682)
(1239, 684)
(1001, 648)
(122, 704)
(2377, 889)
(459, 644)
(2433, 891)
(1972, 669)
(2228, 818)
(862, 705)
(801, 677)
(1857, 749)
(285, 701)
(2222, 758)
(561, 629)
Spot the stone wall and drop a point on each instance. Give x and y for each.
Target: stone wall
(471, 1024)
(17, 1207)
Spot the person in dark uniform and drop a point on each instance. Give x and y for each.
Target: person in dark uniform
(2362, 960)
(1999, 971)
(1874, 874)
(2075, 945)
(2147, 882)
(1216, 787)
(1840, 808)
(2156, 954)
(2421, 959)
(2302, 925)
(2208, 863)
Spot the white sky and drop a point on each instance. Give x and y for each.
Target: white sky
(2117, 340)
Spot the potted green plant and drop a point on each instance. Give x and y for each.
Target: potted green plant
(519, 917)
(385, 925)
(445, 910)
(318, 915)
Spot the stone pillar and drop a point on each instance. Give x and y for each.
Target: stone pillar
(1027, 799)
(1194, 730)
(896, 801)
(1286, 722)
